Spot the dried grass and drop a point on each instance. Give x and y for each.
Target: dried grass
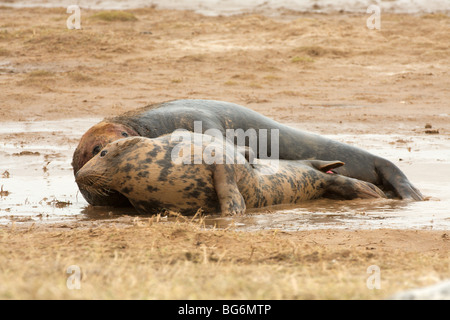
(114, 16)
(151, 258)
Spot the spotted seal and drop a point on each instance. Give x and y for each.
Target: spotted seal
(163, 118)
(165, 173)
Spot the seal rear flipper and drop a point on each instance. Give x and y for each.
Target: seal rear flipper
(230, 198)
(394, 179)
(348, 188)
(326, 166)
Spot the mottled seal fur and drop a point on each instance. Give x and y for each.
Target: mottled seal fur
(163, 118)
(145, 171)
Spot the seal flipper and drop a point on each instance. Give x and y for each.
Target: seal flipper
(343, 187)
(326, 166)
(230, 198)
(394, 179)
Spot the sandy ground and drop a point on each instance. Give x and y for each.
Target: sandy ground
(297, 68)
(328, 72)
(135, 258)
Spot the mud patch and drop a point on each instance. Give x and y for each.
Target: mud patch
(3, 193)
(35, 162)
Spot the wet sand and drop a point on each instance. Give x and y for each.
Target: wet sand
(380, 90)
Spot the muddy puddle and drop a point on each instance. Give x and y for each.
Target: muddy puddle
(37, 184)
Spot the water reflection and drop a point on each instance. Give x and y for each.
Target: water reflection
(106, 213)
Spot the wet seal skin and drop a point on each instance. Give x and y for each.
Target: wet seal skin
(159, 119)
(145, 172)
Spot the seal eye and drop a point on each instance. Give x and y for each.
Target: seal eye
(96, 150)
(103, 153)
(124, 134)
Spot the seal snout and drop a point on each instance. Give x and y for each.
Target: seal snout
(85, 179)
(92, 182)
(81, 178)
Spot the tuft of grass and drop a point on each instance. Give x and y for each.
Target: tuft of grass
(38, 78)
(4, 52)
(290, 93)
(114, 16)
(244, 76)
(78, 76)
(193, 58)
(436, 16)
(255, 85)
(313, 51)
(302, 59)
(230, 83)
(318, 51)
(40, 74)
(271, 77)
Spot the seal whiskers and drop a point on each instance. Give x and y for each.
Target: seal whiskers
(95, 183)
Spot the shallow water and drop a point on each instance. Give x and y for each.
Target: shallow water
(37, 184)
(36, 172)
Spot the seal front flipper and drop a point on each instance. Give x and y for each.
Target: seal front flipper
(230, 198)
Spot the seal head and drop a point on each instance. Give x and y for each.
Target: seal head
(91, 143)
(96, 138)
